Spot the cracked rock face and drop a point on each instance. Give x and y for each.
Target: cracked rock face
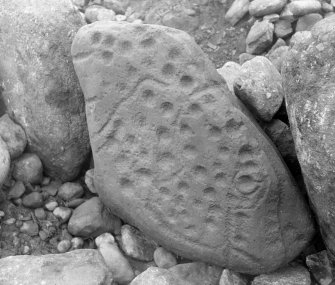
(308, 79)
(176, 155)
(38, 83)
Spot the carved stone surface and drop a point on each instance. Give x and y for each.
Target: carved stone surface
(175, 154)
(308, 79)
(38, 84)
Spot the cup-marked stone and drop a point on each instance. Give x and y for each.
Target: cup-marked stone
(176, 155)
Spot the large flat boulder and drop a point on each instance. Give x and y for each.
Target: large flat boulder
(38, 84)
(176, 155)
(79, 267)
(308, 79)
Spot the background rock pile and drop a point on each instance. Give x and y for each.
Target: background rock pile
(51, 217)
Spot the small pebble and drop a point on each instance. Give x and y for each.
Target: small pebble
(26, 250)
(52, 188)
(18, 224)
(30, 228)
(164, 258)
(89, 180)
(28, 168)
(63, 246)
(63, 213)
(43, 235)
(77, 243)
(52, 205)
(120, 18)
(65, 235)
(24, 218)
(75, 203)
(45, 181)
(138, 21)
(2, 214)
(33, 200)
(16, 240)
(16, 191)
(69, 191)
(17, 202)
(10, 221)
(136, 245)
(40, 213)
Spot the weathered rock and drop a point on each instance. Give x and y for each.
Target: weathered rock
(39, 85)
(272, 18)
(79, 267)
(62, 213)
(283, 28)
(176, 148)
(115, 5)
(181, 17)
(243, 57)
(95, 13)
(136, 245)
(282, 137)
(229, 277)
(229, 72)
(260, 37)
(33, 200)
(52, 188)
(293, 275)
(300, 37)
(40, 213)
(63, 246)
(76, 202)
(237, 11)
(114, 259)
(259, 8)
(319, 266)
(80, 3)
(164, 258)
(300, 8)
(69, 191)
(16, 191)
(52, 205)
(306, 23)
(28, 168)
(279, 43)
(308, 84)
(89, 180)
(91, 219)
(4, 161)
(277, 56)
(30, 228)
(197, 273)
(157, 276)
(259, 87)
(76, 243)
(327, 8)
(13, 135)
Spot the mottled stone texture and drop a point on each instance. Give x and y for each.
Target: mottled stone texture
(177, 157)
(79, 267)
(38, 82)
(309, 76)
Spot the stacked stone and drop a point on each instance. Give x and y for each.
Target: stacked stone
(107, 10)
(276, 20)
